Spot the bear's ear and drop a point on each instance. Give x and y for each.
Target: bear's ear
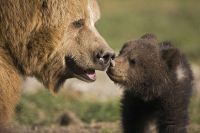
(150, 36)
(169, 54)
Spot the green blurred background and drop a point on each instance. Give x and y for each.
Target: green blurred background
(122, 20)
(175, 20)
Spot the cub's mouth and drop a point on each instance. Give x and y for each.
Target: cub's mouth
(113, 76)
(87, 75)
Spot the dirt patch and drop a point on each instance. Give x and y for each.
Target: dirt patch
(92, 128)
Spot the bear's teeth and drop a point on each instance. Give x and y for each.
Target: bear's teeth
(92, 76)
(112, 63)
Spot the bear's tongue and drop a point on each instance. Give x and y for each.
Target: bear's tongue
(91, 74)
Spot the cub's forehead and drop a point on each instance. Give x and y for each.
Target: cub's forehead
(139, 47)
(84, 9)
(139, 44)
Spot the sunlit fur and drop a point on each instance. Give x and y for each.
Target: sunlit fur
(35, 38)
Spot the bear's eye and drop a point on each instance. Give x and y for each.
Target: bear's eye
(44, 5)
(79, 23)
(132, 61)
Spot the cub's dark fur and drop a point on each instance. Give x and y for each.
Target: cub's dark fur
(157, 82)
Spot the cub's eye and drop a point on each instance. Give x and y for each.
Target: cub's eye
(132, 61)
(79, 23)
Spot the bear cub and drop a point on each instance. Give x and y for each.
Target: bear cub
(157, 82)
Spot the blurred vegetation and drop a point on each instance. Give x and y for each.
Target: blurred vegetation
(43, 108)
(195, 109)
(175, 20)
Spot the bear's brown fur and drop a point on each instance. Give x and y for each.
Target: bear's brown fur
(157, 82)
(52, 40)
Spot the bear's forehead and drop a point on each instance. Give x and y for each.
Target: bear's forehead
(142, 45)
(84, 9)
(142, 49)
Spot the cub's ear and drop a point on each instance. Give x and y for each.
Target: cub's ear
(169, 54)
(150, 36)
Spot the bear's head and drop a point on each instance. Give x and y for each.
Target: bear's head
(54, 40)
(145, 63)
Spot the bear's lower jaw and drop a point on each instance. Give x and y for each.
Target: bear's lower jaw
(87, 75)
(59, 79)
(79, 72)
(55, 85)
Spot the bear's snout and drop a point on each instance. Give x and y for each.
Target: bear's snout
(104, 58)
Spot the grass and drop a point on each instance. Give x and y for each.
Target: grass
(176, 20)
(195, 109)
(44, 109)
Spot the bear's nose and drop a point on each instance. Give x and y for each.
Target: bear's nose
(105, 57)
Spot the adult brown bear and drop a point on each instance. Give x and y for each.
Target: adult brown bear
(52, 40)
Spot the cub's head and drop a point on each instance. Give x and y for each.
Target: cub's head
(144, 63)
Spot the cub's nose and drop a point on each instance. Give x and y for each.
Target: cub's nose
(104, 58)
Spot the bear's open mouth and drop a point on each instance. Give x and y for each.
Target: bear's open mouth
(87, 75)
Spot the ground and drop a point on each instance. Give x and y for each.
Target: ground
(95, 128)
